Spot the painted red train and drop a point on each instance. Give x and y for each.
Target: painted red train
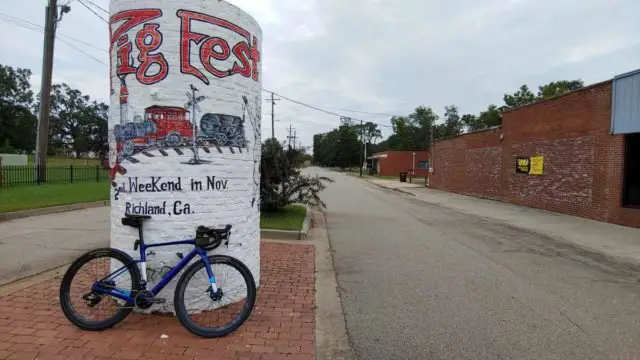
(162, 126)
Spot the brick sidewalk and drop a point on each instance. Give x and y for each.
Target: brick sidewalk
(281, 326)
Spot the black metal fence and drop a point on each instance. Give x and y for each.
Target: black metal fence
(54, 174)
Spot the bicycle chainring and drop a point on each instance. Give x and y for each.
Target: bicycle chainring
(141, 299)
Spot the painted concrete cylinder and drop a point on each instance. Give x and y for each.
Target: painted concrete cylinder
(184, 128)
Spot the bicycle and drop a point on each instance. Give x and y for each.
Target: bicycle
(137, 295)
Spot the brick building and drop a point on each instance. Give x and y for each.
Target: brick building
(391, 163)
(587, 140)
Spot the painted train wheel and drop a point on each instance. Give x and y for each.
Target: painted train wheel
(220, 139)
(173, 139)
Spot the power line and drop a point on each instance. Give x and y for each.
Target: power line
(33, 26)
(41, 30)
(357, 111)
(319, 109)
(93, 11)
(82, 51)
(96, 5)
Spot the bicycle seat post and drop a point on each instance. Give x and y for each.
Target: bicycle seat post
(140, 233)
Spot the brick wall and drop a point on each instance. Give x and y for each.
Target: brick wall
(583, 162)
(469, 164)
(400, 161)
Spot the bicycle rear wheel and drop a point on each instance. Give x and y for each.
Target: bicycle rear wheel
(91, 310)
(223, 312)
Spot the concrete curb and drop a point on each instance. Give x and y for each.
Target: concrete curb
(51, 210)
(306, 223)
(382, 186)
(392, 189)
(290, 234)
(280, 234)
(332, 338)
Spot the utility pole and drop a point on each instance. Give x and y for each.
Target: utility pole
(430, 171)
(290, 137)
(362, 153)
(273, 122)
(42, 136)
(294, 139)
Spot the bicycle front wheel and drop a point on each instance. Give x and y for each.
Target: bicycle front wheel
(214, 314)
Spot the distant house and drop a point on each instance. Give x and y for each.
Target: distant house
(392, 163)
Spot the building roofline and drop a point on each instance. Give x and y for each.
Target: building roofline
(469, 133)
(628, 73)
(585, 88)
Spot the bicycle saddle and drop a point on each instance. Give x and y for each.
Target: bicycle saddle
(134, 220)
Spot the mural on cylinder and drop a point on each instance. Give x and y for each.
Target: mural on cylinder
(184, 123)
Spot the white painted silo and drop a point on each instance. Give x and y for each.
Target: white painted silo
(185, 165)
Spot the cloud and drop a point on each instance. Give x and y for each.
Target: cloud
(382, 55)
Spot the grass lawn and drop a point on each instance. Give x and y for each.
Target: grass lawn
(289, 218)
(31, 197)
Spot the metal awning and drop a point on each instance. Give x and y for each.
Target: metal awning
(378, 156)
(625, 104)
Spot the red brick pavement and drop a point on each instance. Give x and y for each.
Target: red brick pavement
(280, 327)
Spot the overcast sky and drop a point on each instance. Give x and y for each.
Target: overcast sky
(380, 56)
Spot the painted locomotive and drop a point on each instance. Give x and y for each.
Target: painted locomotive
(162, 126)
(166, 126)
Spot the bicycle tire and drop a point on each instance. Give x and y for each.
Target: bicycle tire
(182, 313)
(65, 301)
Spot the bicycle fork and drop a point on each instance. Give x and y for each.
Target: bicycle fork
(215, 293)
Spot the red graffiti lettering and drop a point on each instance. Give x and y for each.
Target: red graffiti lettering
(255, 58)
(241, 51)
(132, 18)
(208, 51)
(147, 40)
(216, 49)
(123, 56)
(129, 19)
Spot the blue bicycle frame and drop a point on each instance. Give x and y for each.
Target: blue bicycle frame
(126, 295)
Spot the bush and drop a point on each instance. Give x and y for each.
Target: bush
(282, 184)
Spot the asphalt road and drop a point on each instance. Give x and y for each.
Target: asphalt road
(419, 281)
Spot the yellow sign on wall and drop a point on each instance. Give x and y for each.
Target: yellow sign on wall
(523, 165)
(536, 165)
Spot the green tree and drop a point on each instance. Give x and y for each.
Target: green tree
(17, 121)
(370, 132)
(521, 97)
(403, 129)
(453, 124)
(77, 123)
(282, 184)
(96, 128)
(347, 147)
(556, 88)
(490, 117)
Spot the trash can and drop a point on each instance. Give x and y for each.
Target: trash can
(403, 177)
